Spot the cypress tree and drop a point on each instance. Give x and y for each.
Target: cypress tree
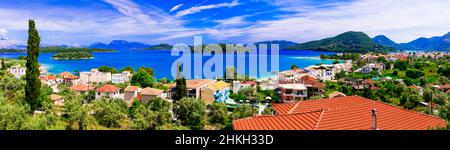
(33, 86)
(3, 64)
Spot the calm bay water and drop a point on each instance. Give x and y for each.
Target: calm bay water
(160, 60)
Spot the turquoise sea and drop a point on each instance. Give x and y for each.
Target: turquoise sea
(160, 60)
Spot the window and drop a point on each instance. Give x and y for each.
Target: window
(288, 91)
(300, 92)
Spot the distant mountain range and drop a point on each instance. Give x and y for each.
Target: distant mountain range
(346, 42)
(356, 42)
(433, 43)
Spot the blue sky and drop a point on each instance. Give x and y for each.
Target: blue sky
(82, 22)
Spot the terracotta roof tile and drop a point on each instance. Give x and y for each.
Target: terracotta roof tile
(131, 88)
(197, 83)
(108, 88)
(70, 77)
(81, 87)
(300, 121)
(369, 81)
(64, 74)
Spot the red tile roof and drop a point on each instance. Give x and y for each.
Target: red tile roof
(345, 113)
(151, 91)
(108, 88)
(131, 88)
(249, 82)
(64, 74)
(374, 88)
(445, 86)
(70, 77)
(81, 87)
(318, 85)
(369, 81)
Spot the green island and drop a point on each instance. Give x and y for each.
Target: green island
(72, 49)
(73, 55)
(160, 47)
(59, 49)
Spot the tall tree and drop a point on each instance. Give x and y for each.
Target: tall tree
(33, 87)
(428, 97)
(180, 88)
(3, 64)
(190, 112)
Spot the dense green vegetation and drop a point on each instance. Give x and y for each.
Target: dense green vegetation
(355, 42)
(344, 56)
(73, 55)
(419, 71)
(144, 77)
(58, 49)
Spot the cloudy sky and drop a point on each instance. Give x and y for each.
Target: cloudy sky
(82, 22)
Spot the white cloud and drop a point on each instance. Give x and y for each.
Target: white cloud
(236, 21)
(129, 19)
(176, 7)
(197, 9)
(3, 32)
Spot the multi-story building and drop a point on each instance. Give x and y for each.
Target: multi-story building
(108, 91)
(290, 92)
(17, 71)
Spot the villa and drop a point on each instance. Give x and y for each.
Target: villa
(195, 86)
(218, 91)
(50, 80)
(81, 89)
(130, 93)
(123, 77)
(108, 91)
(379, 67)
(17, 71)
(94, 76)
(57, 100)
(324, 72)
(340, 113)
(314, 87)
(149, 93)
(69, 78)
(290, 76)
(360, 84)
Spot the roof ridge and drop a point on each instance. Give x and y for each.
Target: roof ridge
(282, 114)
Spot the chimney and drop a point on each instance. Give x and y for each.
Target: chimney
(374, 119)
